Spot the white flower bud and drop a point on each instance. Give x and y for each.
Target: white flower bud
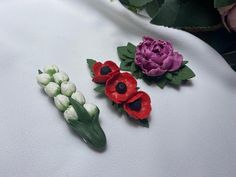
(79, 97)
(91, 109)
(43, 79)
(67, 88)
(52, 89)
(62, 102)
(51, 69)
(60, 77)
(70, 114)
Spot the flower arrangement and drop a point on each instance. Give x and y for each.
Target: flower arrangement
(155, 61)
(121, 89)
(80, 116)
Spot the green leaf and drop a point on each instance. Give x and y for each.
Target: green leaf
(39, 71)
(91, 132)
(139, 3)
(123, 51)
(176, 80)
(185, 73)
(176, 13)
(162, 82)
(124, 67)
(100, 89)
(91, 62)
(153, 7)
(144, 123)
(169, 76)
(222, 3)
(131, 48)
(81, 111)
(133, 67)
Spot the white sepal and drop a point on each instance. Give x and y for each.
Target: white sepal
(62, 102)
(70, 114)
(67, 88)
(43, 79)
(60, 77)
(79, 97)
(91, 109)
(52, 89)
(50, 69)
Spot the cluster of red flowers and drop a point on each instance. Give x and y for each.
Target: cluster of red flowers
(121, 88)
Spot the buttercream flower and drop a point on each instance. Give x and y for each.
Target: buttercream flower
(139, 106)
(79, 97)
(70, 114)
(43, 79)
(228, 14)
(50, 69)
(62, 102)
(156, 57)
(67, 88)
(102, 72)
(120, 87)
(52, 89)
(91, 109)
(60, 77)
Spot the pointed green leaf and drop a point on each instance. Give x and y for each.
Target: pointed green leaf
(186, 73)
(169, 76)
(100, 89)
(144, 123)
(91, 62)
(124, 67)
(82, 113)
(162, 83)
(131, 48)
(133, 67)
(176, 80)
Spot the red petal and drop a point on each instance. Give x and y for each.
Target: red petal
(145, 110)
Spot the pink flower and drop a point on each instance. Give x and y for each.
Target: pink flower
(228, 14)
(156, 57)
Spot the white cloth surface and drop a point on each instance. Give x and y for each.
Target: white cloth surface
(192, 130)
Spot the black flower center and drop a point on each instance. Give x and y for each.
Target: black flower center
(105, 70)
(121, 87)
(136, 105)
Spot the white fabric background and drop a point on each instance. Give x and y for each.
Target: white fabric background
(192, 130)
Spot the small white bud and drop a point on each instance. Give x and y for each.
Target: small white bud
(51, 69)
(43, 79)
(62, 102)
(52, 89)
(70, 114)
(67, 88)
(79, 97)
(91, 109)
(60, 77)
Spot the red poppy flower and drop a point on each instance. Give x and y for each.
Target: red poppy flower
(120, 87)
(102, 72)
(139, 106)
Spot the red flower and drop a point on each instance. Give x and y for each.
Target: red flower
(139, 106)
(102, 72)
(121, 87)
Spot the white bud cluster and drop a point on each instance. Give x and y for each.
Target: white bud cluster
(57, 85)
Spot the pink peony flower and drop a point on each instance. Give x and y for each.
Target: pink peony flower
(156, 57)
(228, 14)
